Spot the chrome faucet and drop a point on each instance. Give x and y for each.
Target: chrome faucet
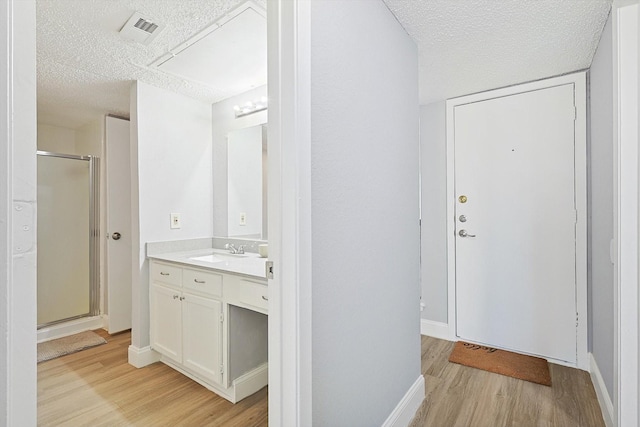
(232, 249)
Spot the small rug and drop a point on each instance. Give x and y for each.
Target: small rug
(528, 368)
(66, 345)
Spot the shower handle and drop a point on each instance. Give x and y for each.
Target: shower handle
(116, 236)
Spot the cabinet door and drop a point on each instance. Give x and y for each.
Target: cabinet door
(166, 321)
(202, 336)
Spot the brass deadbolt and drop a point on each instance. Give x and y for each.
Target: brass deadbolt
(462, 199)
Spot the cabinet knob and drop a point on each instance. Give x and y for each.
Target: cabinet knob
(175, 297)
(182, 298)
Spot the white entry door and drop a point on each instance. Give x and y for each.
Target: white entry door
(515, 213)
(119, 257)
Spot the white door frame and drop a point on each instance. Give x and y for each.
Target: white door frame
(626, 212)
(18, 373)
(289, 139)
(579, 81)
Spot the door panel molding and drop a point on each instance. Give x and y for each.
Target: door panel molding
(119, 267)
(579, 82)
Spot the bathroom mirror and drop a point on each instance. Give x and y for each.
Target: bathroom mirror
(247, 183)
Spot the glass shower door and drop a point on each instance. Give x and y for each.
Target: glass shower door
(66, 238)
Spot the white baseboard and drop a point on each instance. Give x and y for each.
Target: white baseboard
(69, 328)
(227, 393)
(141, 357)
(243, 386)
(406, 409)
(435, 329)
(252, 381)
(606, 405)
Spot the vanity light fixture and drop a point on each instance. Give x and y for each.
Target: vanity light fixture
(250, 107)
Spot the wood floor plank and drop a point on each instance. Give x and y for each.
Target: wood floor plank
(458, 395)
(97, 387)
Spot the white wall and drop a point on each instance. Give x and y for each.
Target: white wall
(17, 214)
(433, 240)
(172, 136)
(224, 121)
(90, 137)
(364, 213)
(86, 140)
(601, 208)
(56, 139)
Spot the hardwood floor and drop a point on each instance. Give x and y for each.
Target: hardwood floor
(461, 396)
(97, 387)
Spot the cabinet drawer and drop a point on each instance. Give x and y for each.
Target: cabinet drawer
(244, 292)
(165, 273)
(202, 281)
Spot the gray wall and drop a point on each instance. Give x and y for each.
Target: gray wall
(601, 208)
(365, 235)
(433, 181)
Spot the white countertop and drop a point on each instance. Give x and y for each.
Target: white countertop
(248, 264)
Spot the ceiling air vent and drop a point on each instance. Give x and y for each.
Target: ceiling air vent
(140, 29)
(145, 25)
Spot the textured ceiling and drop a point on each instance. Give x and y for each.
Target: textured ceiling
(466, 46)
(469, 46)
(85, 67)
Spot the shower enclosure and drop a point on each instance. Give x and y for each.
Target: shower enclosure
(68, 237)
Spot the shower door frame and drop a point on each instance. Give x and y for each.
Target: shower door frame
(94, 234)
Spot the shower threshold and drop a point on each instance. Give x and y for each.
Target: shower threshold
(69, 327)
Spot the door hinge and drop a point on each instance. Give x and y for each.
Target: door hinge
(577, 320)
(575, 113)
(221, 318)
(221, 369)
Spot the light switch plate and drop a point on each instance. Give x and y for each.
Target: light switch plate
(243, 218)
(175, 221)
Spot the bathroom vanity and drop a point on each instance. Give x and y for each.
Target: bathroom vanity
(208, 318)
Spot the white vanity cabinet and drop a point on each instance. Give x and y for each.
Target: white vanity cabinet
(166, 321)
(189, 312)
(187, 327)
(247, 293)
(202, 336)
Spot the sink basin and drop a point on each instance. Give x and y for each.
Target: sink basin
(217, 257)
(207, 258)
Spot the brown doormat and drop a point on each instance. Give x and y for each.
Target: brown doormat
(73, 343)
(528, 368)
